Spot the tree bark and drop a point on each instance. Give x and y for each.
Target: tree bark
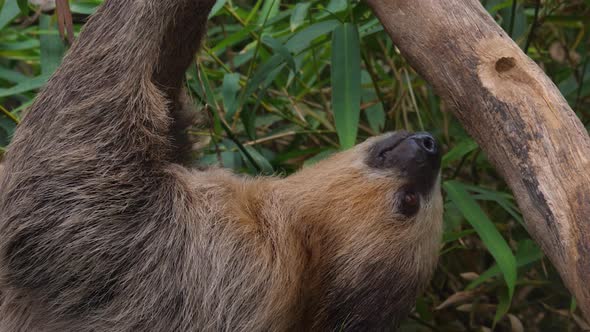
(516, 114)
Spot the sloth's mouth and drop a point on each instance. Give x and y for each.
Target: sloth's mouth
(416, 156)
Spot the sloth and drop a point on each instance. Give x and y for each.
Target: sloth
(102, 229)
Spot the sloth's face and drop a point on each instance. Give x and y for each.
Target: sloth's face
(413, 160)
(389, 180)
(376, 219)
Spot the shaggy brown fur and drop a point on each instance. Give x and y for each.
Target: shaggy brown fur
(101, 230)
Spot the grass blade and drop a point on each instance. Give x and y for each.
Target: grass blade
(23, 5)
(486, 230)
(25, 86)
(526, 254)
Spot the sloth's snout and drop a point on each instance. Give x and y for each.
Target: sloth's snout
(404, 150)
(416, 156)
(426, 142)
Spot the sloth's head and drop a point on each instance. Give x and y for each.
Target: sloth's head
(374, 218)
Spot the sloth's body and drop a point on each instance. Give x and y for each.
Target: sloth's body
(101, 231)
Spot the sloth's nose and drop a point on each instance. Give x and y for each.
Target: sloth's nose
(416, 157)
(426, 142)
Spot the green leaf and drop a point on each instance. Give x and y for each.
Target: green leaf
(7, 127)
(25, 86)
(266, 167)
(20, 46)
(279, 48)
(346, 83)
(336, 6)
(375, 114)
(265, 72)
(208, 95)
(460, 150)
(268, 11)
(370, 27)
(486, 230)
(12, 75)
(504, 301)
(52, 47)
(9, 11)
(229, 156)
(302, 39)
(514, 22)
(299, 14)
(23, 6)
(495, 5)
(229, 91)
(528, 252)
(217, 7)
(84, 8)
(573, 305)
(231, 40)
(520, 24)
(505, 200)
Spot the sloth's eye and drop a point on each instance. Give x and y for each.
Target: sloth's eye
(409, 203)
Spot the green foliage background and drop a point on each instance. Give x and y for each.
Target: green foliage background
(284, 83)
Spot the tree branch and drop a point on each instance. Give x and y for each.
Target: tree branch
(515, 113)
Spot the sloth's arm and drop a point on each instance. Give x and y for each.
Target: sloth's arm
(113, 98)
(128, 67)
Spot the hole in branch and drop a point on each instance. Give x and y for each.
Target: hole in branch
(505, 64)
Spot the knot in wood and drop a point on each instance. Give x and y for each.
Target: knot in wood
(504, 64)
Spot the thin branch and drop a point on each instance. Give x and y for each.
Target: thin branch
(9, 114)
(534, 26)
(512, 18)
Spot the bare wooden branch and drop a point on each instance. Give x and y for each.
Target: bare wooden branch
(515, 113)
